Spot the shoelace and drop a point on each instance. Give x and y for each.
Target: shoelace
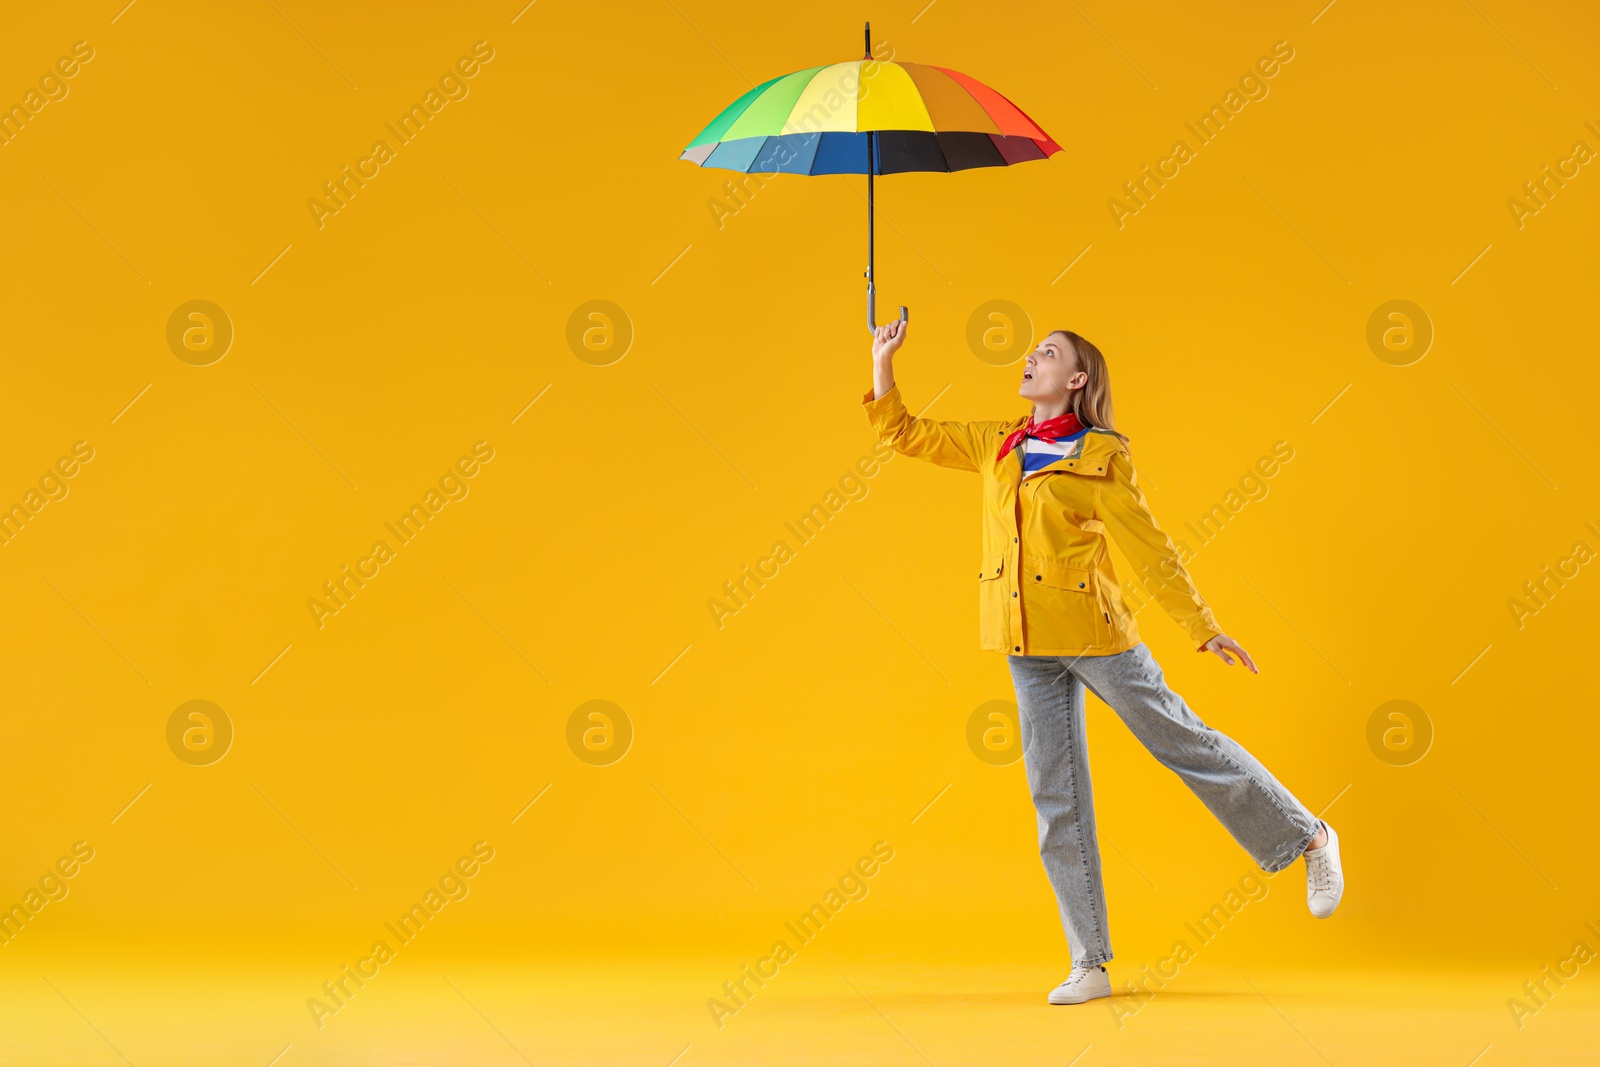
(1079, 975)
(1319, 871)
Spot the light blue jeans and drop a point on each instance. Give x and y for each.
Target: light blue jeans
(1261, 814)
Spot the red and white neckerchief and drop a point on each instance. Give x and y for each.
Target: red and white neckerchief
(1048, 430)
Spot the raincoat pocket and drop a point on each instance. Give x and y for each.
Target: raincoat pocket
(1058, 576)
(1062, 599)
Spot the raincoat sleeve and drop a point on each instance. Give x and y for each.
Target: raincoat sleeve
(958, 445)
(1121, 506)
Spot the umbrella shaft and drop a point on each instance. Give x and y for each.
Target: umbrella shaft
(869, 210)
(872, 294)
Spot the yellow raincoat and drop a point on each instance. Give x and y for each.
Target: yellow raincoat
(1046, 585)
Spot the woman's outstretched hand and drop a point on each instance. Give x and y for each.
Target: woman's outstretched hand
(888, 338)
(886, 341)
(1222, 644)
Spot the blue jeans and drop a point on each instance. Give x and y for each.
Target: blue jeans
(1261, 814)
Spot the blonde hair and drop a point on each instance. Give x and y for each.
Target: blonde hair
(1092, 404)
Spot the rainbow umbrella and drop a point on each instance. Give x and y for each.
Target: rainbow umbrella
(869, 117)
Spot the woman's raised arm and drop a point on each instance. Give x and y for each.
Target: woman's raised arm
(958, 445)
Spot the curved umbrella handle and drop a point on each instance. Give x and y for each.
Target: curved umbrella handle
(872, 312)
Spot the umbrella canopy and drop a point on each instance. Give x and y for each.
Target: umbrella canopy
(818, 121)
(869, 117)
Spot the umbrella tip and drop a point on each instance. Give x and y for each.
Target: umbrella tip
(869, 40)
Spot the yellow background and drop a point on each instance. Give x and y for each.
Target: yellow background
(825, 716)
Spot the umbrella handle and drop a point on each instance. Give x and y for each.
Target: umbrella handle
(872, 311)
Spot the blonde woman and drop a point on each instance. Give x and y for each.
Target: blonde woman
(1054, 486)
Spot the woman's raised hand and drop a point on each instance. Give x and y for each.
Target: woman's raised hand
(887, 339)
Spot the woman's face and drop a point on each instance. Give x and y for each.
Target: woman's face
(1050, 374)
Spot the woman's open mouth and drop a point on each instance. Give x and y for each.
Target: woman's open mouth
(1026, 376)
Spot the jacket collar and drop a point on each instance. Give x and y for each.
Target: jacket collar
(1093, 458)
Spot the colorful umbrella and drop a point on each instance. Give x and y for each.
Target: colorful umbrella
(869, 117)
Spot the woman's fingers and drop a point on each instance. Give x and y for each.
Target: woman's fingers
(1222, 644)
(888, 337)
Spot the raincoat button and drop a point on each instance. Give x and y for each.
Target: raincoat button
(1038, 577)
(1013, 593)
(1013, 540)
(1017, 649)
(1080, 585)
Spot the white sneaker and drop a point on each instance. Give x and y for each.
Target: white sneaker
(1084, 983)
(1324, 876)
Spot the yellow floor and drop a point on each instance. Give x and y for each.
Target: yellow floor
(814, 1012)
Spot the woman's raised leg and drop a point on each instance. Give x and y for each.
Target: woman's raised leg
(1256, 809)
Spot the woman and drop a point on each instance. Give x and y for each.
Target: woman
(1054, 484)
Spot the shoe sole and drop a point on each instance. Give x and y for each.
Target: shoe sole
(1078, 1000)
(1329, 913)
